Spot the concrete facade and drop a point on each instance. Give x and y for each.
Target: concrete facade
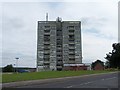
(59, 43)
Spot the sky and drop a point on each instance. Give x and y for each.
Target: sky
(99, 27)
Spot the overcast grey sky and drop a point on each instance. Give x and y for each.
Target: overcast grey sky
(19, 28)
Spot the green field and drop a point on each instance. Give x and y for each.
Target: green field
(44, 75)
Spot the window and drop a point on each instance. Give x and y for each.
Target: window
(71, 40)
(59, 50)
(46, 53)
(59, 34)
(59, 64)
(46, 65)
(45, 44)
(46, 39)
(71, 45)
(59, 42)
(71, 50)
(59, 55)
(48, 35)
(47, 26)
(59, 46)
(46, 56)
(71, 27)
(72, 54)
(71, 36)
(46, 49)
(72, 59)
(59, 60)
(71, 31)
(46, 59)
(59, 39)
(47, 31)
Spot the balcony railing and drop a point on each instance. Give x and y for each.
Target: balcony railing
(71, 62)
(46, 42)
(71, 42)
(46, 62)
(71, 33)
(47, 33)
(72, 52)
(71, 57)
(72, 47)
(47, 52)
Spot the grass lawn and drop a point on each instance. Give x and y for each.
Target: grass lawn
(44, 75)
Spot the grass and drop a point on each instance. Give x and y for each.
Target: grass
(44, 75)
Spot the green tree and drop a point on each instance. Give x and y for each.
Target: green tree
(8, 68)
(113, 58)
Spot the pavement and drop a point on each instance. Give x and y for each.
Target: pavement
(104, 80)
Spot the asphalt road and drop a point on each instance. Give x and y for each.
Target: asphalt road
(92, 81)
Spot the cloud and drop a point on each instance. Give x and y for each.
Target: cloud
(95, 47)
(23, 61)
(99, 28)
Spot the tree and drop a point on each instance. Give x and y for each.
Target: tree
(113, 58)
(107, 64)
(8, 68)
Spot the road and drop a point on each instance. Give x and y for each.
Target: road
(109, 80)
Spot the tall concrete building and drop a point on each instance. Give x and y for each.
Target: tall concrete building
(59, 43)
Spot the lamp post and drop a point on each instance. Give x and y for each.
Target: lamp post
(16, 63)
(14, 67)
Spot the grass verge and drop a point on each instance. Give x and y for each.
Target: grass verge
(45, 75)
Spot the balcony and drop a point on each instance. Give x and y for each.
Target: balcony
(46, 38)
(47, 27)
(47, 52)
(47, 33)
(72, 52)
(58, 58)
(46, 62)
(46, 66)
(46, 47)
(72, 47)
(71, 36)
(71, 33)
(47, 30)
(71, 27)
(71, 56)
(71, 42)
(46, 56)
(47, 42)
(59, 67)
(59, 64)
(71, 62)
(59, 49)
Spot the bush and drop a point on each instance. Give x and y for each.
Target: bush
(8, 68)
